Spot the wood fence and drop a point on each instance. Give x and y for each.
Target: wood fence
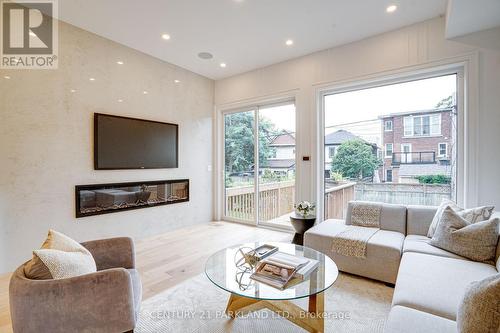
(406, 194)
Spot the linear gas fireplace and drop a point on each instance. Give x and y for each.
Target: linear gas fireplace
(109, 198)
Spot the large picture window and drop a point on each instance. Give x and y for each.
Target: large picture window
(410, 124)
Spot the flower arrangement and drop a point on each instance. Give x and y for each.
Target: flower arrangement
(304, 208)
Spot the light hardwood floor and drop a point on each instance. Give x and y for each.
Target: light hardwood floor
(168, 259)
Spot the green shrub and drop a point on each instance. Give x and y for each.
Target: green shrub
(434, 179)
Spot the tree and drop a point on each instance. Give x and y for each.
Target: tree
(355, 159)
(239, 141)
(445, 102)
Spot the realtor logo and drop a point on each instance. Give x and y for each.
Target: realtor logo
(29, 34)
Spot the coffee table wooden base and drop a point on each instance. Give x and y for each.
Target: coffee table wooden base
(311, 320)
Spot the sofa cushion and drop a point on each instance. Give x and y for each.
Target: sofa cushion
(476, 241)
(471, 215)
(419, 218)
(392, 217)
(59, 257)
(364, 214)
(383, 251)
(421, 244)
(436, 284)
(407, 320)
(479, 311)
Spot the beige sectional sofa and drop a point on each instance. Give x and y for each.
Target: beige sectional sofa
(430, 282)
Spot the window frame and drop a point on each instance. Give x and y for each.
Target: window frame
(387, 176)
(445, 148)
(409, 121)
(385, 150)
(330, 148)
(388, 122)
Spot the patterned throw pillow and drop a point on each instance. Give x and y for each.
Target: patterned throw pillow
(365, 214)
(60, 257)
(479, 311)
(472, 215)
(476, 241)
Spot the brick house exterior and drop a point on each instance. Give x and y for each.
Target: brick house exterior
(416, 143)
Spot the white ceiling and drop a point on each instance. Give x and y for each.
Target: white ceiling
(466, 16)
(245, 34)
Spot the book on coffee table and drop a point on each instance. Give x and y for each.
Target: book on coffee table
(279, 268)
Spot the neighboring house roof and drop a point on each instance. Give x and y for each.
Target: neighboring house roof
(341, 136)
(410, 170)
(279, 164)
(283, 139)
(409, 113)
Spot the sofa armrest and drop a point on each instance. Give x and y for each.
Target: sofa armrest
(112, 252)
(96, 302)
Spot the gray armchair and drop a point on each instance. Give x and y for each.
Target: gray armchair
(105, 301)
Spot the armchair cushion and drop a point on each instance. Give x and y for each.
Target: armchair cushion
(112, 252)
(59, 257)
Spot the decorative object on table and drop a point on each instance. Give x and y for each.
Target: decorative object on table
(264, 251)
(304, 208)
(242, 278)
(301, 224)
(277, 270)
(246, 258)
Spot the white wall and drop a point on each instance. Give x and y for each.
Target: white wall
(415, 45)
(46, 142)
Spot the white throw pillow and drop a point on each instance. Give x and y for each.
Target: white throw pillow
(60, 257)
(475, 241)
(471, 215)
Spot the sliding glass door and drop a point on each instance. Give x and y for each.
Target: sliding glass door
(239, 162)
(259, 170)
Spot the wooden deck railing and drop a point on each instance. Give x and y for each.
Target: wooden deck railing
(336, 199)
(276, 199)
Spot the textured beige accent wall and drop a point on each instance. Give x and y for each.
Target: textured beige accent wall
(415, 45)
(46, 142)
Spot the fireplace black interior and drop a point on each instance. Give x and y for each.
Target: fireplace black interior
(109, 198)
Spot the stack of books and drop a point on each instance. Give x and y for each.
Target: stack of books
(279, 268)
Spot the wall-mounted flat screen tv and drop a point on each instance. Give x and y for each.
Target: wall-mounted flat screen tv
(129, 143)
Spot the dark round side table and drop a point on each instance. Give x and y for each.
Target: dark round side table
(301, 224)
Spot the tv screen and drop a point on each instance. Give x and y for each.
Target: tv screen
(129, 143)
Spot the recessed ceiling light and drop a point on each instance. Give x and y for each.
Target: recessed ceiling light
(391, 8)
(205, 55)
(165, 36)
(91, 79)
(289, 42)
(73, 90)
(6, 77)
(145, 92)
(223, 65)
(177, 81)
(119, 62)
(120, 100)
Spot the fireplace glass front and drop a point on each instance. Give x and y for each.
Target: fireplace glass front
(108, 198)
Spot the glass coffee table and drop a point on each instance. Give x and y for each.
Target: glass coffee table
(247, 295)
